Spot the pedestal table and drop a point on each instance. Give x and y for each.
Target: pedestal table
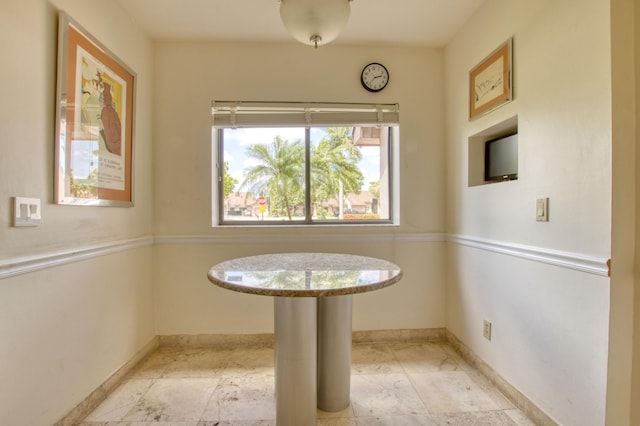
(313, 304)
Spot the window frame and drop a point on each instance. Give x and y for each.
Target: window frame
(373, 111)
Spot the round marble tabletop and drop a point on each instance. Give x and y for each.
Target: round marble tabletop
(305, 274)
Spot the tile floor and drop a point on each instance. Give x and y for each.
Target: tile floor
(392, 384)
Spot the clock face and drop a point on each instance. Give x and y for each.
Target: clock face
(374, 77)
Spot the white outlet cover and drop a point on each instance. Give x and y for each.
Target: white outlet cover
(27, 211)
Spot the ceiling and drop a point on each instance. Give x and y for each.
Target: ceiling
(385, 22)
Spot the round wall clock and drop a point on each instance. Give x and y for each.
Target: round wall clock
(374, 77)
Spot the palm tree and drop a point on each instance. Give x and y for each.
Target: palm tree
(279, 172)
(334, 168)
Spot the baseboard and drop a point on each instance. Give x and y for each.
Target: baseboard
(95, 398)
(517, 398)
(217, 340)
(244, 340)
(399, 336)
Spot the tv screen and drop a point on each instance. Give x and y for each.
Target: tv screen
(501, 158)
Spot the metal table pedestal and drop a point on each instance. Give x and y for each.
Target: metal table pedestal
(313, 357)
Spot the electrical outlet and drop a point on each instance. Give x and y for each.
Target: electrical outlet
(486, 330)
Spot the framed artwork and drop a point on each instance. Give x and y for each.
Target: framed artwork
(490, 82)
(94, 123)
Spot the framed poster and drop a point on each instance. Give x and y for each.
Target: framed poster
(490, 82)
(94, 123)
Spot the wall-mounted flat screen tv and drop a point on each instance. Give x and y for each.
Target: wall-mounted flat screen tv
(501, 158)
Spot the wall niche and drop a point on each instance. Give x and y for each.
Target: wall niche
(497, 161)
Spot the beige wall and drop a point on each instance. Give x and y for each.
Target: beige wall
(550, 322)
(66, 328)
(189, 77)
(623, 232)
(28, 116)
(635, 383)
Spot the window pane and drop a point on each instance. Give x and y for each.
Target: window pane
(263, 174)
(265, 170)
(374, 145)
(345, 174)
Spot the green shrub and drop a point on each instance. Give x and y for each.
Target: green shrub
(362, 216)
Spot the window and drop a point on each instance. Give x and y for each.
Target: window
(293, 164)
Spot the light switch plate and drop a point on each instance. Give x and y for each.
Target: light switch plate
(542, 209)
(486, 330)
(27, 211)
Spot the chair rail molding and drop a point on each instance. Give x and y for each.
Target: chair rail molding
(577, 261)
(23, 265)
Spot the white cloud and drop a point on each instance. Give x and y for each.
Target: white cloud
(251, 162)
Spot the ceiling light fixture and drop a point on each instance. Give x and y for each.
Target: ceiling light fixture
(315, 22)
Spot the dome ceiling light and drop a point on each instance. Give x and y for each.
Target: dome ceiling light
(315, 22)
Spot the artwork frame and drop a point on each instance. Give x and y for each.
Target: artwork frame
(95, 103)
(491, 81)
